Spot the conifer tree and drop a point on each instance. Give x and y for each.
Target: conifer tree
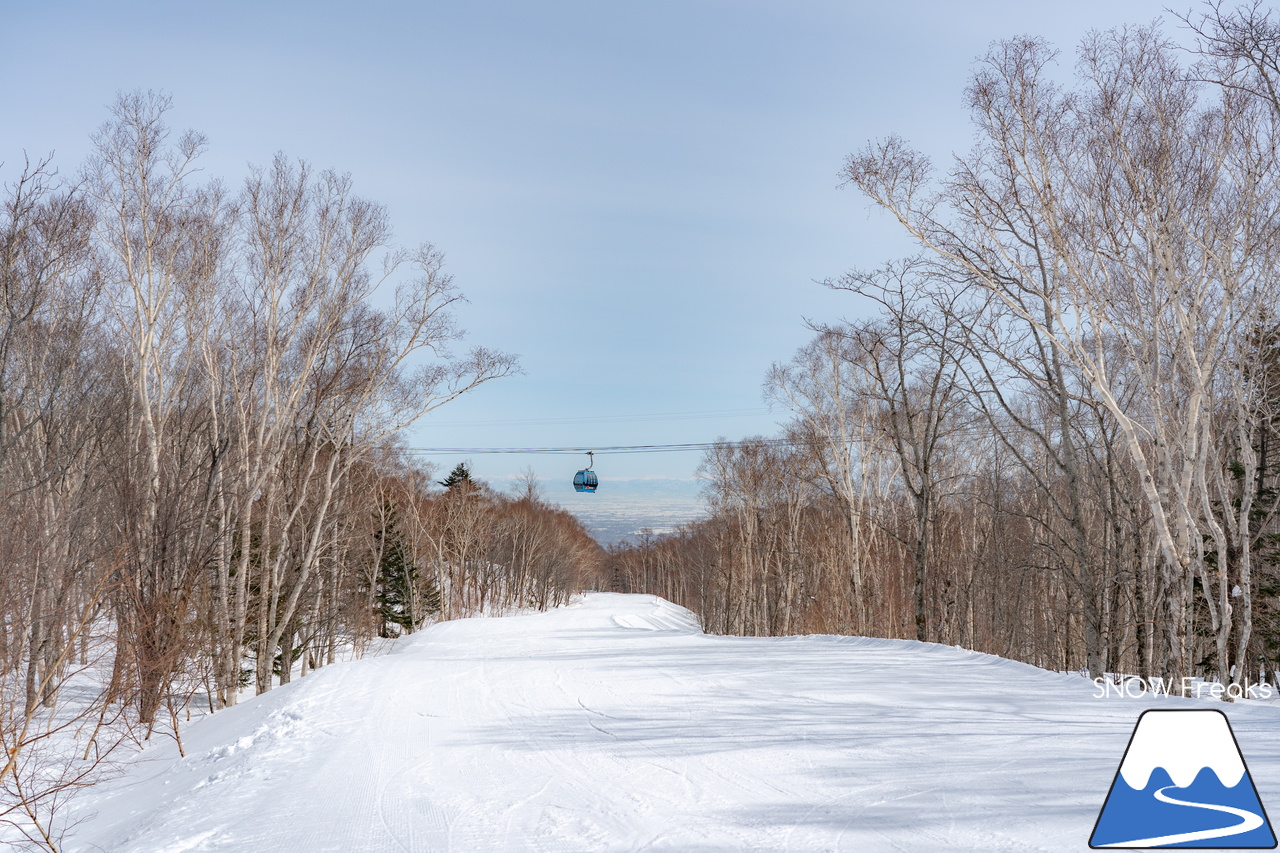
(403, 597)
(459, 475)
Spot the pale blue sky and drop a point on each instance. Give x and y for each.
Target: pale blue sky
(636, 197)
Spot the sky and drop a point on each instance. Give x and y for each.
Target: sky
(641, 200)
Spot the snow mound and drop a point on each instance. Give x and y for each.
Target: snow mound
(659, 615)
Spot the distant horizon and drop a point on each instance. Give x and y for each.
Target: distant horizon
(659, 504)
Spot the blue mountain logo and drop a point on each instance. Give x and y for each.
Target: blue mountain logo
(1183, 783)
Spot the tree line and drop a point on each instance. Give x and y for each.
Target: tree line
(203, 488)
(1056, 439)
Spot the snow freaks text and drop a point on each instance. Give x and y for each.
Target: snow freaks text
(1135, 686)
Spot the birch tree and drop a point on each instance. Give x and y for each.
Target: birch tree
(835, 413)
(1133, 210)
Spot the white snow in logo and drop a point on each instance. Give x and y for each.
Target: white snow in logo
(1183, 743)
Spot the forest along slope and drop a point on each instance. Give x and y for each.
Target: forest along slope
(614, 724)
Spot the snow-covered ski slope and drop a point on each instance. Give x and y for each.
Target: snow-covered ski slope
(613, 724)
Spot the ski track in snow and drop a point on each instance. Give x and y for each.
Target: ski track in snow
(613, 724)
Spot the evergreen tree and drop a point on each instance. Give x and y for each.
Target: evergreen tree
(403, 598)
(459, 476)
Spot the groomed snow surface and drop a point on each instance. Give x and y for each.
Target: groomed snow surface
(614, 724)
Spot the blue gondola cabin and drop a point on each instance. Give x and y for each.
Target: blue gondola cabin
(586, 479)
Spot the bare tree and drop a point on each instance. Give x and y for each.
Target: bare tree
(834, 402)
(1132, 211)
(911, 364)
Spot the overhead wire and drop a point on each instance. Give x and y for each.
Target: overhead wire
(598, 450)
(606, 419)
(807, 441)
(968, 430)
